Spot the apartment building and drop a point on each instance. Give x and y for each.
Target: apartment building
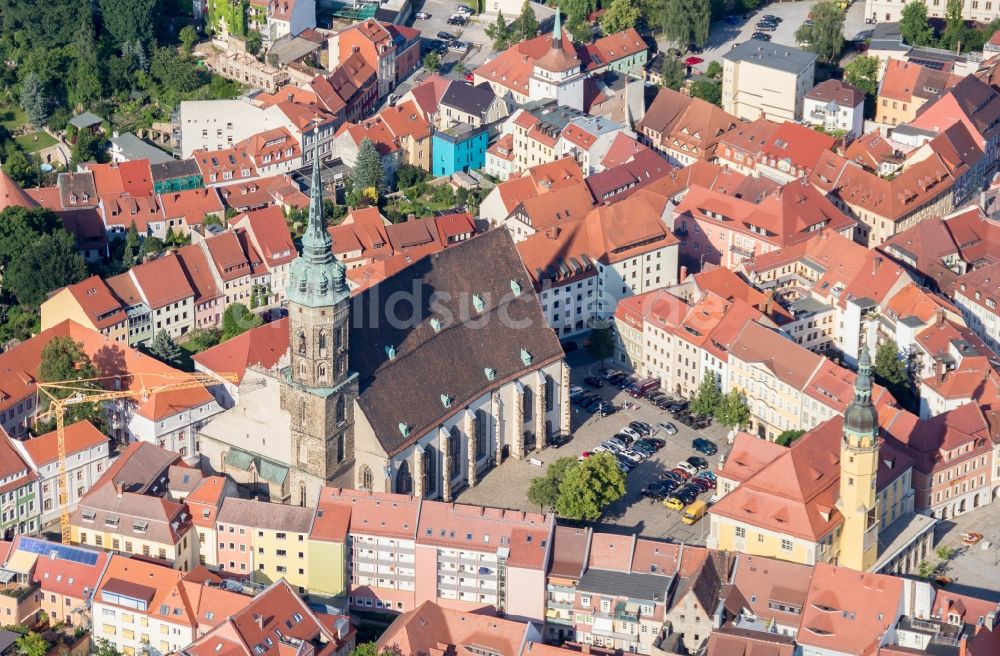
(90, 303)
(393, 51)
(976, 293)
(766, 80)
(19, 491)
(975, 10)
(684, 128)
(87, 457)
(905, 87)
(264, 542)
(835, 106)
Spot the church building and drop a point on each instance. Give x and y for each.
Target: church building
(418, 385)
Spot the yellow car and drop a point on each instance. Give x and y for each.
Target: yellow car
(674, 503)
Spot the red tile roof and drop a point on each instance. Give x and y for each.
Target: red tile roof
(12, 195)
(162, 281)
(263, 346)
(80, 436)
(192, 204)
(97, 302)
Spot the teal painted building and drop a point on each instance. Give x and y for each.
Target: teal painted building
(459, 148)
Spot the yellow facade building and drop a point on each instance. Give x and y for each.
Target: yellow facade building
(90, 303)
(830, 497)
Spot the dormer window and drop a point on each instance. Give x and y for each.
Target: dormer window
(478, 303)
(491, 373)
(525, 357)
(405, 429)
(515, 287)
(436, 324)
(446, 400)
(390, 351)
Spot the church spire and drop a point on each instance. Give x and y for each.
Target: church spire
(557, 30)
(860, 417)
(316, 278)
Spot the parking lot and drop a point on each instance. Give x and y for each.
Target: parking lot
(507, 485)
(723, 35)
(974, 569)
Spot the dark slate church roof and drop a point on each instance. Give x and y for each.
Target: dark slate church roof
(440, 343)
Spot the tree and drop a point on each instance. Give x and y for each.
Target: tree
(408, 175)
(85, 87)
(709, 396)
(789, 436)
(189, 36)
(20, 228)
(431, 62)
(254, 42)
(33, 100)
(152, 247)
(733, 410)
(368, 172)
(601, 344)
(590, 486)
(105, 648)
(131, 247)
(863, 72)
(944, 552)
(954, 25)
(526, 25)
(237, 319)
(673, 73)
(620, 15)
(686, 22)
(500, 32)
(51, 262)
(32, 644)
(890, 370)
(925, 570)
(21, 169)
(707, 90)
(164, 348)
(544, 490)
(370, 649)
(128, 21)
(714, 70)
(825, 36)
(913, 25)
(63, 359)
(89, 147)
(18, 323)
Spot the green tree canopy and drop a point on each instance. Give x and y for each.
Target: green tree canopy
(733, 411)
(129, 21)
(50, 263)
(789, 436)
(237, 319)
(673, 72)
(432, 61)
(526, 25)
(254, 42)
(89, 147)
(500, 33)
(20, 168)
(20, 228)
(685, 21)
(890, 372)
(709, 396)
(188, 36)
(954, 25)
(863, 72)
(589, 487)
(620, 15)
(105, 648)
(544, 490)
(164, 348)
(707, 90)
(33, 100)
(913, 25)
(601, 344)
(714, 70)
(825, 36)
(151, 247)
(32, 644)
(368, 172)
(63, 359)
(17, 323)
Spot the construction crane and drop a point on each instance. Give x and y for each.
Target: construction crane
(83, 391)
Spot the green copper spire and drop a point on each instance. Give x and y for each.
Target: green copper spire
(557, 29)
(860, 417)
(316, 279)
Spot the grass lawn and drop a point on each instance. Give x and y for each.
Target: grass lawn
(12, 117)
(35, 141)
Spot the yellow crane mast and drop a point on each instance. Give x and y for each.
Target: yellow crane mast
(80, 392)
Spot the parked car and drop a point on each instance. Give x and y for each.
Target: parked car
(673, 503)
(694, 512)
(630, 432)
(709, 482)
(593, 404)
(656, 442)
(611, 446)
(698, 462)
(624, 463)
(608, 374)
(769, 17)
(586, 454)
(556, 441)
(688, 467)
(446, 36)
(625, 439)
(667, 427)
(640, 427)
(643, 448)
(659, 490)
(593, 381)
(464, 9)
(683, 474)
(643, 387)
(575, 392)
(632, 456)
(606, 409)
(457, 20)
(458, 46)
(701, 445)
(671, 476)
(700, 484)
(423, 15)
(621, 444)
(766, 27)
(760, 36)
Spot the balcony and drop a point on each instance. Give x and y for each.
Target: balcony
(624, 615)
(742, 252)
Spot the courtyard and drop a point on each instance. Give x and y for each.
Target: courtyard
(507, 485)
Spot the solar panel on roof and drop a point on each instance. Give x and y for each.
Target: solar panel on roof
(62, 551)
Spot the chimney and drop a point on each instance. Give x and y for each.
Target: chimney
(553, 232)
(290, 96)
(962, 646)
(119, 487)
(260, 620)
(940, 316)
(942, 370)
(991, 620)
(683, 274)
(876, 262)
